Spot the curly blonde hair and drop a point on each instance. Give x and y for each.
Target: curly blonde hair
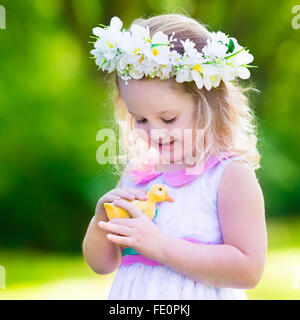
(224, 113)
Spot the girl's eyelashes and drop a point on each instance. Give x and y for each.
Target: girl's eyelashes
(166, 121)
(141, 121)
(169, 121)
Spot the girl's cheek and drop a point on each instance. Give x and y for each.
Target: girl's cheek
(143, 132)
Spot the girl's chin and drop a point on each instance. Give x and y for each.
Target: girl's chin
(171, 157)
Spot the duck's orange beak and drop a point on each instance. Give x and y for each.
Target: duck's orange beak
(168, 198)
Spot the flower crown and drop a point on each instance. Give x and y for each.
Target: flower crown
(135, 54)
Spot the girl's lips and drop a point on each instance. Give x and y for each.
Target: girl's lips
(166, 144)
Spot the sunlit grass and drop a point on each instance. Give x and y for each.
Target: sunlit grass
(281, 279)
(35, 275)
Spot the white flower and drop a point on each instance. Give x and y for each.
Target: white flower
(214, 49)
(136, 74)
(197, 77)
(122, 63)
(98, 32)
(164, 71)
(219, 37)
(115, 24)
(109, 39)
(139, 32)
(133, 49)
(242, 58)
(159, 50)
(189, 49)
(184, 74)
(215, 80)
(243, 72)
(135, 55)
(227, 72)
(175, 58)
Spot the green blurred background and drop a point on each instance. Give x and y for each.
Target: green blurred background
(53, 101)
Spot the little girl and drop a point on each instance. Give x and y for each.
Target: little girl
(211, 241)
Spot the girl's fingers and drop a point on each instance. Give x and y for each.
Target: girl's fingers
(128, 193)
(110, 198)
(131, 193)
(140, 194)
(115, 228)
(123, 194)
(113, 197)
(129, 222)
(106, 198)
(125, 241)
(133, 210)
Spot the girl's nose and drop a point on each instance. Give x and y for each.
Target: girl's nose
(159, 134)
(159, 129)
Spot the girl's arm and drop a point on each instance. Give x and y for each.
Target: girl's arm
(240, 261)
(102, 255)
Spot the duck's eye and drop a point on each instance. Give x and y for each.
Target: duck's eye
(160, 189)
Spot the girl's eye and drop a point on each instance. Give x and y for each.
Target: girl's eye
(169, 121)
(166, 121)
(141, 121)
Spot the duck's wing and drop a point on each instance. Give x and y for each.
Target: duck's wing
(140, 204)
(146, 208)
(113, 212)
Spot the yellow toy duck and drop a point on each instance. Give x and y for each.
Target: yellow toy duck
(156, 193)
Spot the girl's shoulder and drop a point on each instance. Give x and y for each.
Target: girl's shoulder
(226, 167)
(237, 163)
(238, 171)
(223, 162)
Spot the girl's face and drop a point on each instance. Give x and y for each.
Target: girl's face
(155, 104)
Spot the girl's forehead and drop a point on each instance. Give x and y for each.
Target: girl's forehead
(160, 95)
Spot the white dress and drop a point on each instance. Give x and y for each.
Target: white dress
(195, 215)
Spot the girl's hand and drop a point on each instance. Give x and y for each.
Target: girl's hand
(116, 194)
(138, 232)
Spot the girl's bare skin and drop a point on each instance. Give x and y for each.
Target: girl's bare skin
(102, 255)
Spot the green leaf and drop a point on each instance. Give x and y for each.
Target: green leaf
(230, 46)
(232, 55)
(102, 63)
(158, 44)
(249, 66)
(102, 25)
